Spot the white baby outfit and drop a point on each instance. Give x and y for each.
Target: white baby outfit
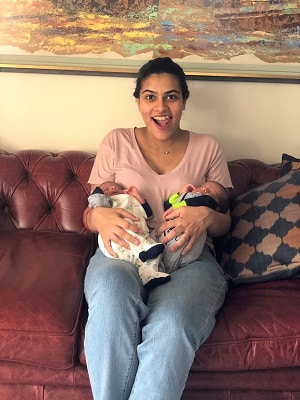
(149, 268)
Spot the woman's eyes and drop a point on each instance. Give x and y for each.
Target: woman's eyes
(169, 97)
(172, 97)
(149, 97)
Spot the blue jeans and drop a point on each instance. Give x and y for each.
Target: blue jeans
(141, 345)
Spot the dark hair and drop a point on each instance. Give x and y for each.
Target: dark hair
(224, 202)
(161, 65)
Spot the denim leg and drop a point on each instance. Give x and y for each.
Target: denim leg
(113, 291)
(181, 317)
(178, 318)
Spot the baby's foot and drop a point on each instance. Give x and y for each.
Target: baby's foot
(152, 252)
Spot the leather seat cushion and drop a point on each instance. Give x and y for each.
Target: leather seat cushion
(41, 295)
(257, 328)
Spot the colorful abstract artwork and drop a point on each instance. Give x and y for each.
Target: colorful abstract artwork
(213, 34)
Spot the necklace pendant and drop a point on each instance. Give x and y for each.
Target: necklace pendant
(166, 152)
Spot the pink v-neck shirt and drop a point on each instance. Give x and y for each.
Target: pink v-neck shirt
(119, 159)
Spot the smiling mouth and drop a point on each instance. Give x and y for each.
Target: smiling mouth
(162, 121)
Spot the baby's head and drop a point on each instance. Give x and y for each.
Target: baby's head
(216, 191)
(109, 188)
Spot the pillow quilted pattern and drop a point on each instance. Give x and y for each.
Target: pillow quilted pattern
(264, 239)
(289, 163)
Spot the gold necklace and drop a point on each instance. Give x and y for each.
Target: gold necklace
(163, 151)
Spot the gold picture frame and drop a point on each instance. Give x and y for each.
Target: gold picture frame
(96, 43)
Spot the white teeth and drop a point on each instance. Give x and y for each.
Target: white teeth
(163, 118)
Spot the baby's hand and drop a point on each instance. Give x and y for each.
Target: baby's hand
(189, 187)
(132, 191)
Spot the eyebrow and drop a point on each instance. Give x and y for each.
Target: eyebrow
(168, 92)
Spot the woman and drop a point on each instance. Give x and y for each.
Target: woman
(141, 344)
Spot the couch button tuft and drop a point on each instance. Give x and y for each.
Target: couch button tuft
(27, 175)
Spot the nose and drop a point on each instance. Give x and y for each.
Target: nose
(161, 103)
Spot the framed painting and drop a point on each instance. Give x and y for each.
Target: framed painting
(211, 39)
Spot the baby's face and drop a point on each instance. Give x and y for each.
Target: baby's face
(110, 188)
(212, 189)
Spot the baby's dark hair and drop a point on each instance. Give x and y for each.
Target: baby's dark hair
(161, 65)
(224, 201)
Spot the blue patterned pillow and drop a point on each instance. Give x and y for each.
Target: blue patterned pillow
(264, 239)
(288, 163)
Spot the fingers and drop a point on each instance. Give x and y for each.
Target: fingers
(109, 248)
(166, 214)
(124, 234)
(122, 239)
(190, 243)
(184, 225)
(170, 214)
(172, 226)
(184, 242)
(125, 214)
(190, 187)
(118, 226)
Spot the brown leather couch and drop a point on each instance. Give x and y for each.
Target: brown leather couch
(251, 354)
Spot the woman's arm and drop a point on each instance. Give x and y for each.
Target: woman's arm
(220, 224)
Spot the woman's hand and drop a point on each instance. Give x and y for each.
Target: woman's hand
(112, 224)
(190, 223)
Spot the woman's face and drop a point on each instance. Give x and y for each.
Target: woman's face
(161, 105)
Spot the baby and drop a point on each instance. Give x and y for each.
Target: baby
(210, 194)
(147, 255)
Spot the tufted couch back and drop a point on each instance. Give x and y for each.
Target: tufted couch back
(47, 191)
(44, 191)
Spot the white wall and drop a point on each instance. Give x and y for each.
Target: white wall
(64, 112)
